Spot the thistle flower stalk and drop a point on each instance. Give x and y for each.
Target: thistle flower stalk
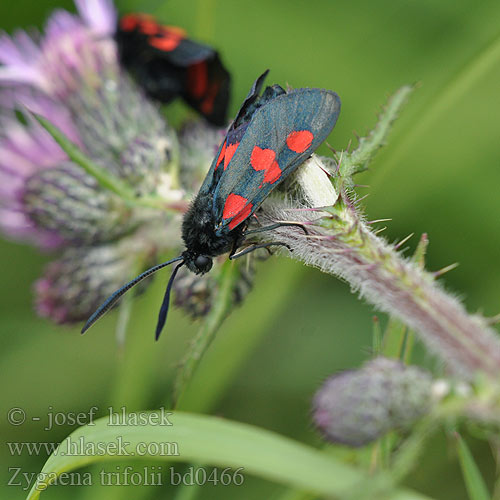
(341, 243)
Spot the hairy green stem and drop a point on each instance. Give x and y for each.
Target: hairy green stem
(343, 245)
(357, 160)
(221, 306)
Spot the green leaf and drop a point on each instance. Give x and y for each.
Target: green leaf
(474, 482)
(377, 337)
(419, 255)
(215, 441)
(298, 495)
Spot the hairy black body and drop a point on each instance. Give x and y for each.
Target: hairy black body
(198, 233)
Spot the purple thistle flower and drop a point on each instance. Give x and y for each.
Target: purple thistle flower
(72, 77)
(20, 56)
(25, 150)
(65, 47)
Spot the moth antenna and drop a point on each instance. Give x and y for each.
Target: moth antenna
(111, 300)
(162, 316)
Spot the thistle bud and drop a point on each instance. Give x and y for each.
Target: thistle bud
(72, 77)
(67, 200)
(75, 284)
(123, 131)
(358, 406)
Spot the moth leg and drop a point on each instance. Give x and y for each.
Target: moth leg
(275, 226)
(255, 247)
(233, 250)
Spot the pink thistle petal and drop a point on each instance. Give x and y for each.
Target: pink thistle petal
(100, 15)
(72, 77)
(20, 75)
(61, 23)
(18, 227)
(20, 57)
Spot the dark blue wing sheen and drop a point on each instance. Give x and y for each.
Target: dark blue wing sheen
(281, 135)
(252, 96)
(210, 180)
(238, 127)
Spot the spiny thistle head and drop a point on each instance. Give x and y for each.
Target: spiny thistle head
(72, 77)
(78, 281)
(69, 202)
(358, 406)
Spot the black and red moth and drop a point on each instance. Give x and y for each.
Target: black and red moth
(167, 64)
(270, 137)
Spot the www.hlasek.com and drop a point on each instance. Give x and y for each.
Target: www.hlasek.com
(128, 476)
(81, 447)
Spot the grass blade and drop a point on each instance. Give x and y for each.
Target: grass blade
(474, 482)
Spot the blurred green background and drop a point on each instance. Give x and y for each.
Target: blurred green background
(440, 174)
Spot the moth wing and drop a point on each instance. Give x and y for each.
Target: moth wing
(281, 135)
(253, 93)
(207, 89)
(213, 176)
(143, 37)
(188, 52)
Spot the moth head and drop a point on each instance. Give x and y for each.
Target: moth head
(198, 263)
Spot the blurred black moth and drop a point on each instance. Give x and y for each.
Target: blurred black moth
(167, 64)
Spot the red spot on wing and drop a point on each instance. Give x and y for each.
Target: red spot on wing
(129, 22)
(299, 140)
(197, 79)
(241, 216)
(230, 150)
(238, 207)
(167, 39)
(234, 205)
(264, 159)
(207, 105)
(175, 30)
(221, 155)
(149, 27)
(164, 43)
